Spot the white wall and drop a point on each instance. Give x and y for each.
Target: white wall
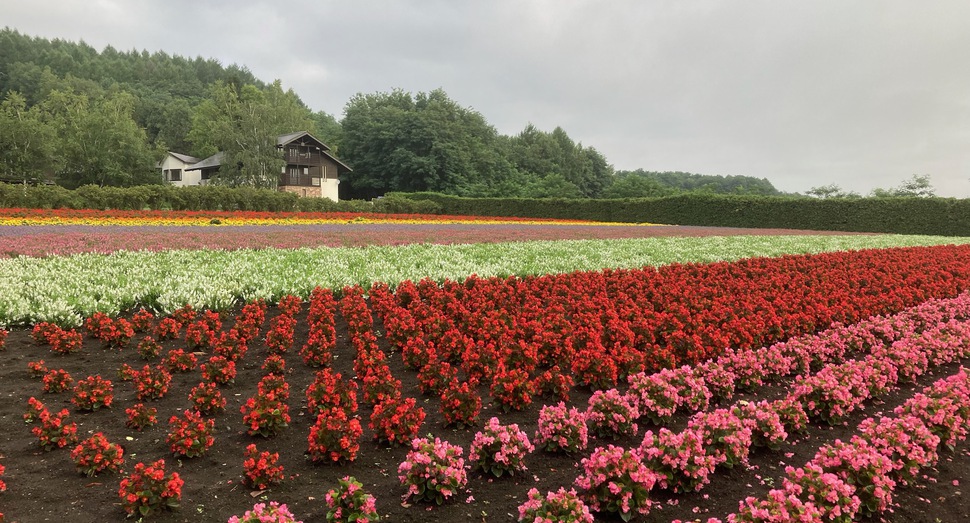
(188, 178)
(328, 188)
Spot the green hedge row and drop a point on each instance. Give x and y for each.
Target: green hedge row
(936, 216)
(194, 198)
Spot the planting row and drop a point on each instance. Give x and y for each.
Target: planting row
(13, 216)
(62, 240)
(857, 478)
(395, 419)
(38, 289)
(724, 437)
(599, 327)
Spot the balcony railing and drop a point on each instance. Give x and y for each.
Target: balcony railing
(303, 158)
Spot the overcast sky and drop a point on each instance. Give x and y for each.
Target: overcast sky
(862, 94)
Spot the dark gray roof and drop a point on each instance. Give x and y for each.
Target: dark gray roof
(184, 157)
(292, 137)
(213, 161)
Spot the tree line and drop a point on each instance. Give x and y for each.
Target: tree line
(76, 116)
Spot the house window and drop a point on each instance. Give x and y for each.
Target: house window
(174, 175)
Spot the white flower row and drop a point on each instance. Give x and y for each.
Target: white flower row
(65, 289)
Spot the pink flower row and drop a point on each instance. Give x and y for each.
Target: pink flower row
(846, 480)
(724, 437)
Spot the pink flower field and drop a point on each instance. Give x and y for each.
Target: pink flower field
(46, 240)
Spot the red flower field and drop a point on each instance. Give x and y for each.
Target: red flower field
(780, 377)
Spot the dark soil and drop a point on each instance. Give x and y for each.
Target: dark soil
(43, 486)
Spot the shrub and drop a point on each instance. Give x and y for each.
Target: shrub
(207, 399)
(219, 370)
(678, 458)
(512, 389)
(92, 393)
(274, 513)
(274, 364)
(767, 429)
(148, 348)
(260, 468)
(862, 466)
(560, 506)
(36, 369)
(190, 435)
(54, 432)
(148, 490)
(612, 414)
(348, 503)
(330, 391)
(152, 383)
(500, 449)
(96, 455)
(334, 438)
(178, 360)
(832, 496)
(561, 430)
(460, 404)
(57, 380)
(396, 421)
(265, 415)
(726, 437)
(141, 417)
(616, 480)
(432, 471)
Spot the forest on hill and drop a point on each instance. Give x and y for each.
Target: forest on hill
(73, 115)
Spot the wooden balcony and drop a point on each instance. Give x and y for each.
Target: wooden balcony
(304, 158)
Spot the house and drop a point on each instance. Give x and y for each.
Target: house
(174, 166)
(311, 170)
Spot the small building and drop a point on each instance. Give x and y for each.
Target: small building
(174, 168)
(311, 169)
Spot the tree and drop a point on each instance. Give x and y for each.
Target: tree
(918, 186)
(426, 142)
(245, 123)
(830, 191)
(540, 154)
(633, 186)
(26, 141)
(98, 141)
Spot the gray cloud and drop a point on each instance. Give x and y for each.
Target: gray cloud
(861, 94)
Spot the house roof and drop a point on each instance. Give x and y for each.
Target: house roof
(213, 161)
(184, 157)
(304, 137)
(336, 161)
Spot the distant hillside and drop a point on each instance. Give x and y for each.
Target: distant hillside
(75, 115)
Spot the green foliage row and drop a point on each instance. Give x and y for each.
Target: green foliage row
(937, 216)
(196, 198)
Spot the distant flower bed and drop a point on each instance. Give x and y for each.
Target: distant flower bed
(150, 217)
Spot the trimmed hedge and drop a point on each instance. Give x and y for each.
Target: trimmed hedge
(194, 198)
(935, 216)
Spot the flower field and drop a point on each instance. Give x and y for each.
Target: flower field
(61, 240)
(9, 216)
(36, 290)
(742, 379)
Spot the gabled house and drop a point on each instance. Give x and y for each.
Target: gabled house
(174, 169)
(311, 170)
